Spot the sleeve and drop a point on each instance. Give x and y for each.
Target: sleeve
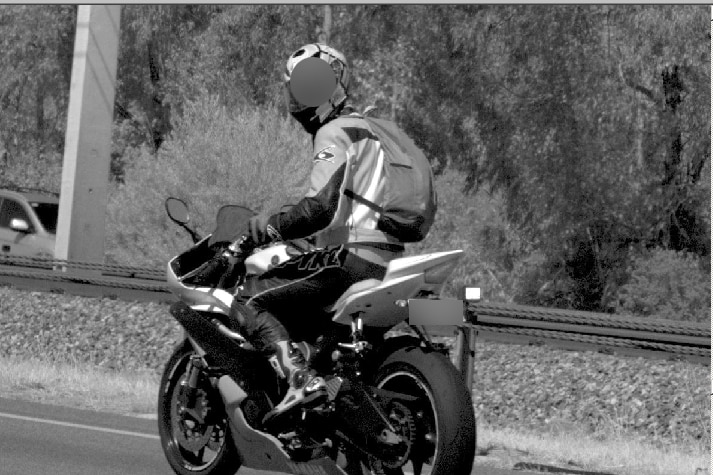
(316, 210)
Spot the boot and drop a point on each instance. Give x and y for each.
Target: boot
(305, 387)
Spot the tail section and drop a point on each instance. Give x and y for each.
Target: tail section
(378, 304)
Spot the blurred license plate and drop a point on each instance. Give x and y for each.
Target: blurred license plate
(435, 312)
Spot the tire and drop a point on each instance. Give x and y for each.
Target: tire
(431, 375)
(223, 460)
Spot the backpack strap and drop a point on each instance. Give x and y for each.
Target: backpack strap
(357, 197)
(360, 199)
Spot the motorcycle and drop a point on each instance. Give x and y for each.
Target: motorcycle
(396, 403)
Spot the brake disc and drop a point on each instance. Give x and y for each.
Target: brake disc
(216, 438)
(189, 428)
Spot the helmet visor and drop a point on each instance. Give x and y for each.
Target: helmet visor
(292, 104)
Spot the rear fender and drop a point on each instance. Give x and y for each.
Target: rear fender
(389, 346)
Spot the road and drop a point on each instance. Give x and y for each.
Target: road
(37, 439)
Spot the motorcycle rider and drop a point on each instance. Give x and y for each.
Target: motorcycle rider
(349, 247)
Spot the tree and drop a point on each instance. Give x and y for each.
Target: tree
(571, 178)
(678, 78)
(325, 33)
(151, 36)
(36, 59)
(591, 122)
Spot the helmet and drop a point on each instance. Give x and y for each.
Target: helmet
(311, 116)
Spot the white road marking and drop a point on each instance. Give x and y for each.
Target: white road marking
(79, 426)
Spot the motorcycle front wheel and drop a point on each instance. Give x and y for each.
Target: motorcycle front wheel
(445, 425)
(192, 422)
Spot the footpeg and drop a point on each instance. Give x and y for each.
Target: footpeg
(333, 386)
(389, 437)
(315, 384)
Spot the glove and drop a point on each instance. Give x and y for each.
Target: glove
(261, 232)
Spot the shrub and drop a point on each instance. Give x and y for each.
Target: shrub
(667, 284)
(257, 158)
(213, 157)
(32, 168)
(474, 223)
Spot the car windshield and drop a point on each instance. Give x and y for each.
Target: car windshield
(47, 214)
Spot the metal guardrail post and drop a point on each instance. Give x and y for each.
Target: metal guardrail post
(464, 354)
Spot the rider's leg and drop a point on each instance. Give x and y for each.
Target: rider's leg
(269, 336)
(305, 386)
(301, 287)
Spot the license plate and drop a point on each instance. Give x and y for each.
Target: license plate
(435, 312)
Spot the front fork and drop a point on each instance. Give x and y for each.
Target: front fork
(190, 383)
(195, 370)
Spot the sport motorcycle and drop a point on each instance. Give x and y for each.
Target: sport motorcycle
(396, 402)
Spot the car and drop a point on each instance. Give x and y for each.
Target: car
(28, 223)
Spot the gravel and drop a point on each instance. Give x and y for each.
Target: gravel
(659, 401)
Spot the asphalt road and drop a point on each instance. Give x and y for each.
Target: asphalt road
(38, 439)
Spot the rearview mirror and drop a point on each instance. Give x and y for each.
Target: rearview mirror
(177, 210)
(19, 225)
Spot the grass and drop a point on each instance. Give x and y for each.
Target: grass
(561, 444)
(82, 386)
(617, 454)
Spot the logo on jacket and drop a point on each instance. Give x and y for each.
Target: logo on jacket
(325, 154)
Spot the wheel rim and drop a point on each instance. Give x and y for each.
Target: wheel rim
(195, 444)
(412, 384)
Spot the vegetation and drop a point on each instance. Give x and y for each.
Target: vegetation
(571, 141)
(666, 283)
(214, 157)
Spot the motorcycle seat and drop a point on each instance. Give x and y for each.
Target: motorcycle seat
(355, 288)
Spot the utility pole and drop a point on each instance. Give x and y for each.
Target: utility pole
(85, 170)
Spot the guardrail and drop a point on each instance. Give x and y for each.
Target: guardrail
(640, 336)
(85, 279)
(500, 322)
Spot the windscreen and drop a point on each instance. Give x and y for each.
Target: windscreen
(47, 214)
(230, 223)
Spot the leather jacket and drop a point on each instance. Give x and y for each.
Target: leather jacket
(346, 156)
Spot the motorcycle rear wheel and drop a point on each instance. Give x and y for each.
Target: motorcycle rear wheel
(187, 456)
(446, 445)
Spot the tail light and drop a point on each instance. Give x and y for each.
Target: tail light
(470, 294)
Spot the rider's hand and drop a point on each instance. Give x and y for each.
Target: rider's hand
(210, 272)
(260, 231)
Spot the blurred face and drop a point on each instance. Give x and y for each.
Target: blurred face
(311, 83)
(305, 115)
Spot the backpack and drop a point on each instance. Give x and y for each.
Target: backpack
(410, 203)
